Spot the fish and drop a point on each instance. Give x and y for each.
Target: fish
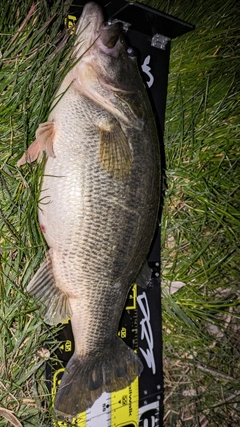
(98, 207)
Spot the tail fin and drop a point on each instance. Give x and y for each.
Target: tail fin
(85, 379)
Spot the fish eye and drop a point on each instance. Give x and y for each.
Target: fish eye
(122, 41)
(131, 53)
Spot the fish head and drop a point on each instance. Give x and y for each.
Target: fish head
(96, 36)
(106, 67)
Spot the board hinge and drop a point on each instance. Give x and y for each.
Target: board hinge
(159, 41)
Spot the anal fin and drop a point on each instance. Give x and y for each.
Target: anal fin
(43, 288)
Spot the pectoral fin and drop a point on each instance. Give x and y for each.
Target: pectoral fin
(43, 142)
(33, 152)
(43, 288)
(45, 136)
(114, 150)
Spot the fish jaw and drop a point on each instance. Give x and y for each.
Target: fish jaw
(91, 31)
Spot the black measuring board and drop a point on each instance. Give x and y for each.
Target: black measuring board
(149, 32)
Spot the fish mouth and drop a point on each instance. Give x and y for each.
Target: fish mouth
(92, 29)
(109, 34)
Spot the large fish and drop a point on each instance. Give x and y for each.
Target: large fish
(98, 207)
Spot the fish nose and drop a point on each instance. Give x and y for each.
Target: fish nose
(110, 33)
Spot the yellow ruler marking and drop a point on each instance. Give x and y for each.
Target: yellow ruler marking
(70, 22)
(124, 406)
(132, 304)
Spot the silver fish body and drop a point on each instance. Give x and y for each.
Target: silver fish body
(97, 209)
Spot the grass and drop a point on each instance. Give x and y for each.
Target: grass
(33, 51)
(201, 219)
(200, 224)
